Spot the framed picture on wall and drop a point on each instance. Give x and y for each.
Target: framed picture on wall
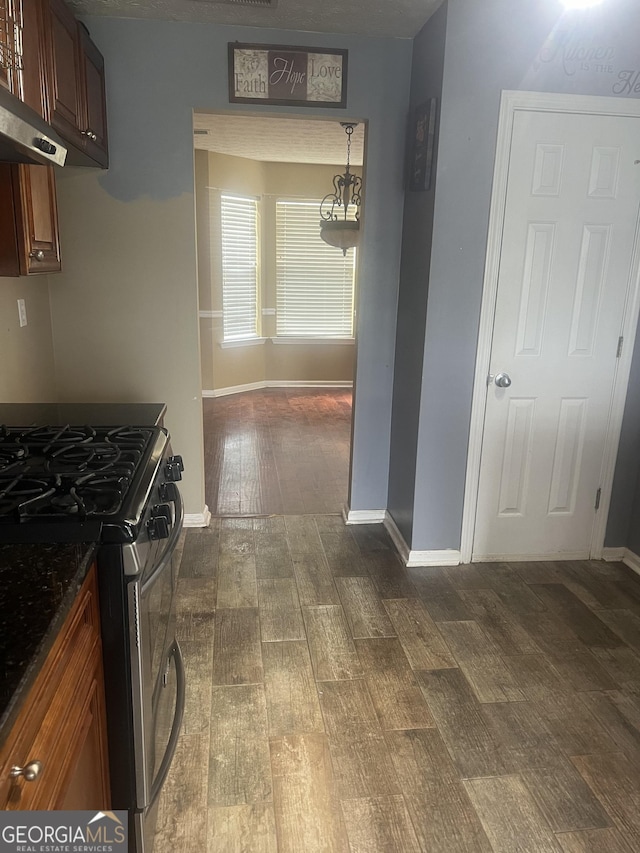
(280, 74)
(421, 143)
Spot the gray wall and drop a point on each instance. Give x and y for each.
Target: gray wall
(490, 46)
(426, 82)
(130, 280)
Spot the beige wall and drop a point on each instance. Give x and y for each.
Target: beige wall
(27, 371)
(227, 367)
(125, 297)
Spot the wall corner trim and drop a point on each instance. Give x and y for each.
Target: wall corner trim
(446, 557)
(415, 559)
(363, 516)
(624, 555)
(197, 519)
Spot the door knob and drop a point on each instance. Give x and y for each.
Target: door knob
(502, 380)
(37, 255)
(30, 771)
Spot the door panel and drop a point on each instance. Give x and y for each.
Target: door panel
(569, 231)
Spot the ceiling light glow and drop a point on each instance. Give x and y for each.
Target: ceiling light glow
(580, 4)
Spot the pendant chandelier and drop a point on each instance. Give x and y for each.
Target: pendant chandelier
(335, 228)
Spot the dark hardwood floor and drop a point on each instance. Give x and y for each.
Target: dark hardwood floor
(337, 701)
(277, 451)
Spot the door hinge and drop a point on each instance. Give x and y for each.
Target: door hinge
(598, 496)
(619, 352)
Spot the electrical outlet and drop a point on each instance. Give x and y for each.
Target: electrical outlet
(22, 312)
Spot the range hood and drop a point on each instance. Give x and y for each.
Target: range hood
(25, 137)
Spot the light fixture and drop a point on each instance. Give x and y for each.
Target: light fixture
(335, 228)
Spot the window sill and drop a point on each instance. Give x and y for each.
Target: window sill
(313, 341)
(242, 342)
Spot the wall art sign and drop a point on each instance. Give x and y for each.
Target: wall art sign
(421, 143)
(277, 74)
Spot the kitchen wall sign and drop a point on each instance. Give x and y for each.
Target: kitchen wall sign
(294, 76)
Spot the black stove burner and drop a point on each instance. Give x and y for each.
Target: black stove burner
(70, 472)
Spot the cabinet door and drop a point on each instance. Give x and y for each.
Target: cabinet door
(11, 46)
(33, 62)
(86, 785)
(60, 732)
(65, 96)
(38, 219)
(95, 109)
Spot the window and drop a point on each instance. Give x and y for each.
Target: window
(314, 281)
(239, 267)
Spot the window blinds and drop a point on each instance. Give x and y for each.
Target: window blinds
(239, 226)
(314, 281)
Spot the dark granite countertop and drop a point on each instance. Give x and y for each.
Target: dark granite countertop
(93, 414)
(38, 585)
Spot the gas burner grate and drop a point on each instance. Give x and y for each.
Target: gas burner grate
(70, 472)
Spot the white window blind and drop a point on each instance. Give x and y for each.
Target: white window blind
(314, 281)
(239, 226)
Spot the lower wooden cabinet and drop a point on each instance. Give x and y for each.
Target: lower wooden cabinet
(59, 738)
(29, 240)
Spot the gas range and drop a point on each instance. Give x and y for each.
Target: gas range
(80, 482)
(115, 486)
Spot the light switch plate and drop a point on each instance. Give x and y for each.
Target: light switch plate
(22, 312)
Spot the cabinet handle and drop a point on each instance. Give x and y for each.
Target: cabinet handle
(38, 256)
(30, 771)
(90, 134)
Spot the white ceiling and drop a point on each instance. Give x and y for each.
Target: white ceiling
(399, 18)
(278, 140)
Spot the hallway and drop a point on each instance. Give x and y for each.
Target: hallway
(277, 451)
(337, 701)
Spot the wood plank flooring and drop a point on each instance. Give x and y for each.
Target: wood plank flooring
(337, 701)
(277, 451)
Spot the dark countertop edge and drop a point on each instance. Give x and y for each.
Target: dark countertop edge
(12, 710)
(95, 414)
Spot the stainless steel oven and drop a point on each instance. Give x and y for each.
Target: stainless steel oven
(138, 581)
(157, 676)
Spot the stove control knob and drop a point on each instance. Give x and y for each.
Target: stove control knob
(174, 468)
(168, 492)
(160, 521)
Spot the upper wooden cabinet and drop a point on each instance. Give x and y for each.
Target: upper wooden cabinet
(34, 72)
(77, 104)
(11, 46)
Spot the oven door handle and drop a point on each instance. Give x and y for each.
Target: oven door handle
(172, 541)
(158, 782)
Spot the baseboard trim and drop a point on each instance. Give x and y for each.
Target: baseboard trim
(363, 516)
(197, 519)
(622, 555)
(632, 560)
(613, 555)
(409, 558)
(258, 386)
(530, 558)
(417, 559)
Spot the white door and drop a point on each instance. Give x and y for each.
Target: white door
(573, 190)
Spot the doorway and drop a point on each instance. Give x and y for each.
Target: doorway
(276, 314)
(560, 300)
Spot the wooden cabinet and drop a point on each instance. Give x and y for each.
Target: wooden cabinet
(34, 67)
(62, 724)
(94, 99)
(77, 103)
(28, 220)
(11, 46)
